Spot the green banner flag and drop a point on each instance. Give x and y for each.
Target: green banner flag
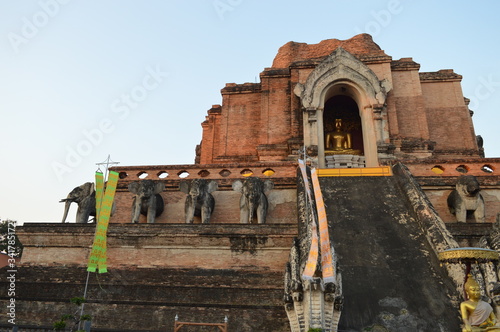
(99, 191)
(97, 259)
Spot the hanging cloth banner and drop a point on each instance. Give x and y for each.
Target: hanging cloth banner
(98, 257)
(99, 191)
(326, 252)
(312, 259)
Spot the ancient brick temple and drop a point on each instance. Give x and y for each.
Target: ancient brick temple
(389, 145)
(393, 110)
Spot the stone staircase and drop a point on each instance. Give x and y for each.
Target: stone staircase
(391, 277)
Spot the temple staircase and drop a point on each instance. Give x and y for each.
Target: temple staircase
(385, 236)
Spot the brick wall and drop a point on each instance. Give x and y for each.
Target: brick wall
(437, 187)
(211, 131)
(282, 198)
(155, 271)
(232, 246)
(426, 112)
(408, 103)
(149, 299)
(450, 123)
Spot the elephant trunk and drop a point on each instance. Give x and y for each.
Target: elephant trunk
(66, 209)
(252, 205)
(473, 189)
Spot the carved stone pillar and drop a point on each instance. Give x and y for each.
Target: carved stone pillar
(380, 119)
(321, 139)
(313, 134)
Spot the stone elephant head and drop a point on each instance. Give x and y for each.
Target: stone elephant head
(199, 200)
(253, 201)
(466, 197)
(84, 196)
(147, 199)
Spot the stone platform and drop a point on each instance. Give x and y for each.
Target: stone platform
(200, 272)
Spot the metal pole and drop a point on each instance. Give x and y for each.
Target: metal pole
(87, 325)
(85, 297)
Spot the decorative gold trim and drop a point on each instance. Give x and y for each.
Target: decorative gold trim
(462, 255)
(365, 171)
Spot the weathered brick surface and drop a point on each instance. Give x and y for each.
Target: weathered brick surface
(407, 95)
(450, 168)
(444, 103)
(469, 234)
(170, 245)
(439, 192)
(437, 187)
(149, 299)
(292, 51)
(201, 272)
(257, 120)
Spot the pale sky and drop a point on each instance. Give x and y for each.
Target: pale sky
(68, 69)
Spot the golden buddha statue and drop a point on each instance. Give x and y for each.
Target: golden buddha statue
(477, 314)
(339, 142)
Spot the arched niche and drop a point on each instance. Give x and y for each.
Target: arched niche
(342, 74)
(343, 107)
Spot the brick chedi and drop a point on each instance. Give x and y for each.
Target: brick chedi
(389, 143)
(268, 121)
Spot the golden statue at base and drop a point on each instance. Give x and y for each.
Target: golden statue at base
(339, 142)
(477, 314)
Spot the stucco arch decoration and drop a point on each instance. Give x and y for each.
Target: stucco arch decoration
(362, 84)
(341, 66)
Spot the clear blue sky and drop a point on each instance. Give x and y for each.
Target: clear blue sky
(66, 65)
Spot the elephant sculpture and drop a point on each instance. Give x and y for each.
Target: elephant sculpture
(147, 199)
(253, 201)
(199, 200)
(84, 196)
(466, 197)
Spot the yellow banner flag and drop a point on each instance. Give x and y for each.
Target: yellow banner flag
(98, 256)
(326, 252)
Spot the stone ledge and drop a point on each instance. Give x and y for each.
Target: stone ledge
(151, 236)
(469, 229)
(275, 72)
(404, 64)
(144, 229)
(233, 88)
(284, 173)
(450, 181)
(213, 246)
(441, 75)
(448, 167)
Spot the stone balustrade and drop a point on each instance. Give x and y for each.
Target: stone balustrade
(455, 167)
(212, 171)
